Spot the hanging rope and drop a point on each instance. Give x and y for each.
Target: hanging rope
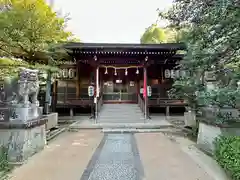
(123, 67)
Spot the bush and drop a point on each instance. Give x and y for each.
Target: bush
(4, 166)
(227, 154)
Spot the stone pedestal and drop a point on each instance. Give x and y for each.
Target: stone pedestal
(52, 120)
(28, 113)
(22, 140)
(190, 119)
(207, 134)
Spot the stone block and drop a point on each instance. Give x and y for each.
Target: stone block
(210, 113)
(52, 120)
(210, 76)
(22, 140)
(190, 119)
(208, 133)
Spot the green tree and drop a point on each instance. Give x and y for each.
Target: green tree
(153, 35)
(210, 31)
(28, 27)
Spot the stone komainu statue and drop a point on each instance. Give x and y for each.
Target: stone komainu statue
(21, 89)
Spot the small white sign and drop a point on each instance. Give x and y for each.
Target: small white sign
(132, 83)
(141, 91)
(149, 91)
(118, 81)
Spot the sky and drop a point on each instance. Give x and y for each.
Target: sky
(110, 21)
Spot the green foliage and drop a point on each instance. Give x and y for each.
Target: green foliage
(28, 27)
(172, 35)
(4, 165)
(153, 35)
(225, 96)
(211, 33)
(227, 154)
(9, 67)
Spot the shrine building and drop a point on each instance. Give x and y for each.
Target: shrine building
(119, 73)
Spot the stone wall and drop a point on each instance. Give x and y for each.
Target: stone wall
(208, 133)
(23, 143)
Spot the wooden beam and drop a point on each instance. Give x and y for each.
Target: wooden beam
(78, 81)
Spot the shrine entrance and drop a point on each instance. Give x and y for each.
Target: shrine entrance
(119, 87)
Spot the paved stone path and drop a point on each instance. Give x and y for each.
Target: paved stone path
(91, 155)
(163, 159)
(64, 159)
(118, 158)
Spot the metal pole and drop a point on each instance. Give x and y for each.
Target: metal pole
(146, 98)
(97, 93)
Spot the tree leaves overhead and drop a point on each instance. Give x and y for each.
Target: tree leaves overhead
(210, 30)
(10, 67)
(153, 35)
(28, 27)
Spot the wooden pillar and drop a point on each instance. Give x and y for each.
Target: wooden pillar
(167, 112)
(146, 95)
(71, 113)
(77, 82)
(97, 93)
(54, 99)
(48, 93)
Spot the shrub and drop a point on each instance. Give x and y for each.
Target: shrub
(4, 166)
(227, 154)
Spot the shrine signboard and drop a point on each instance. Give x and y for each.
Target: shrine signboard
(66, 73)
(171, 73)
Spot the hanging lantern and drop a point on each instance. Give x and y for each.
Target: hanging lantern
(71, 73)
(137, 71)
(177, 73)
(167, 73)
(183, 73)
(65, 73)
(106, 71)
(173, 75)
(59, 75)
(126, 72)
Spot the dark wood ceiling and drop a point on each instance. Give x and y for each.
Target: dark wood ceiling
(125, 53)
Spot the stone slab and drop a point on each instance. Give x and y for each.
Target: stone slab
(163, 159)
(79, 125)
(208, 133)
(52, 120)
(65, 158)
(17, 124)
(116, 158)
(23, 143)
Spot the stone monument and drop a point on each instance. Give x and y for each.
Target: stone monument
(22, 125)
(209, 128)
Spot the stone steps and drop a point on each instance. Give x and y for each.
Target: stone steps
(119, 126)
(120, 113)
(136, 130)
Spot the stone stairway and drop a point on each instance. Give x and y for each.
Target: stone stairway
(120, 113)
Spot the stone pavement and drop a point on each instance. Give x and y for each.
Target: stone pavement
(91, 155)
(163, 159)
(64, 159)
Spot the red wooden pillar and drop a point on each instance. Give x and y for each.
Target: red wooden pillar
(145, 95)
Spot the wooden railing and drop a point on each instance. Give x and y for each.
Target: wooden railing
(166, 103)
